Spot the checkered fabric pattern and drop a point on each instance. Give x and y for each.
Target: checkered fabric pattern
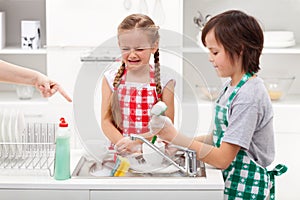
(277, 171)
(244, 179)
(220, 124)
(136, 101)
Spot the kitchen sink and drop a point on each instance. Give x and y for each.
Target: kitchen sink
(89, 168)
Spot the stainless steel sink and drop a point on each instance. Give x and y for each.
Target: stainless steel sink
(91, 169)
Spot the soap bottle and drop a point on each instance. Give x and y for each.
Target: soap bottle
(62, 151)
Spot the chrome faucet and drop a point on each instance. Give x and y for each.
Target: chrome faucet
(190, 156)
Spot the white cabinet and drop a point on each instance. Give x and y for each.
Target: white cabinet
(23, 194)
(15, 12)
(158, 194)
(107, 194)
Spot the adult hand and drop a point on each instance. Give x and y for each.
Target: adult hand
(128, 146)
(48, 87)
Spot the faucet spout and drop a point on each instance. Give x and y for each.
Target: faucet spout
(188, 152)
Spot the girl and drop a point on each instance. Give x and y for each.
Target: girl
(129, 93)
(242, 143)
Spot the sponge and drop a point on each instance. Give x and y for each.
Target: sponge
(121, 167)
(159, 108)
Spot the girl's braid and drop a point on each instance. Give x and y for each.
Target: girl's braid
(119, 75)
(157, 75)
(115, 110)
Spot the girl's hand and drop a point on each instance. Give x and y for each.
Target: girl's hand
(128, 146)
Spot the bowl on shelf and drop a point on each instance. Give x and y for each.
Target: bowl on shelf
(278, 87)
(210, 92)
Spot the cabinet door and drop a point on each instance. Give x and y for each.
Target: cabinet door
(150, 195)
(44, 194)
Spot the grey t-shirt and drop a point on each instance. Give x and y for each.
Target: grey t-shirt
(250, 121)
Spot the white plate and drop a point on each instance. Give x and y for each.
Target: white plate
(146, 168)
(279, 44)
(278, 36)
(1, 118)
(4, 126)
(20, 126)
(11, 131)
(14, 130)
(5, 120)
(10, 128)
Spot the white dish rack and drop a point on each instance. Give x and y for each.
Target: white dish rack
(34, 151)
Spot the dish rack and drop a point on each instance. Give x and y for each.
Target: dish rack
(34, 149)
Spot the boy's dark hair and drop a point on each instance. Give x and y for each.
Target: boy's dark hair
(240, 34)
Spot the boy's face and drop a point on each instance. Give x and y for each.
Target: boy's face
(136, 48)
(220, 58)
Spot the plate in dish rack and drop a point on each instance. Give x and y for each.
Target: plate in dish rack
(20, 126)
(1, 118)
(4, 128)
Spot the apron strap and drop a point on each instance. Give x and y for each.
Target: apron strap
(277, 171)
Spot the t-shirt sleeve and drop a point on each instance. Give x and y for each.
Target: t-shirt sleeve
(242, 120)
(165, 78)
(109, 76)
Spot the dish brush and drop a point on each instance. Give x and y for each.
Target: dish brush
(158, 109)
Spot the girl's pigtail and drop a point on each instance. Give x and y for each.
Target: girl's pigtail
(114, 103)
(157, 75)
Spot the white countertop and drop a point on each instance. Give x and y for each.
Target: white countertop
(26, 179)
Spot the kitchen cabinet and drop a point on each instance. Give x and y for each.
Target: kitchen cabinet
(159, 194)
(43, 194)
(15, 12)
(274, 61)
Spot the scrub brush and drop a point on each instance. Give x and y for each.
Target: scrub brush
(158, 109)
(121, 167)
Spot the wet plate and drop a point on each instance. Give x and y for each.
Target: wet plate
(146, 168)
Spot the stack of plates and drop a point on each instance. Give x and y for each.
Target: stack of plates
(279, 39)
(12, 125)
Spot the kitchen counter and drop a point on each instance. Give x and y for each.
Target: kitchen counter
(211, 185)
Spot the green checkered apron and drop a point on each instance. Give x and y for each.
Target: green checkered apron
(244, 178)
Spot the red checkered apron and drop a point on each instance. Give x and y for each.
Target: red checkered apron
(136, 101)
